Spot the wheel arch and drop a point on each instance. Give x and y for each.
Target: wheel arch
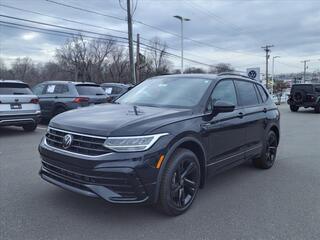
(193, 144)
(276, 130)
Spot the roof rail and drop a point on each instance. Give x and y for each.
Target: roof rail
(233, 73)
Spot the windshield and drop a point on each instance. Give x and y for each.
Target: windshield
(14, 89)
(90, 90)
(167, 92)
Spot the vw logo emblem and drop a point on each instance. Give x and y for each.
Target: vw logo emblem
(67, 141)
(252, 74)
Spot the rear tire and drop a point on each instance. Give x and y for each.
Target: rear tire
(269, 152)
(58, 110)
(29, 127)
(180, 183)
(317, 109)
(294, 108)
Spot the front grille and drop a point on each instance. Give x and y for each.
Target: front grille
(126, 186)
(81, 144)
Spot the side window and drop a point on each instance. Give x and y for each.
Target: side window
(50, 89)
(116, 90)
(247, 93)
(38, 90)
(56, 89)
(108, 90)
(224, 91)
(61, 89)
(262, 92)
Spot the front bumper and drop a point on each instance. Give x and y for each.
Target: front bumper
(20, 119)
(114, 177)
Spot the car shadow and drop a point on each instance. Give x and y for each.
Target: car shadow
(13, 131)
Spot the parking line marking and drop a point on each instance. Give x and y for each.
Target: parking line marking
(42, 128)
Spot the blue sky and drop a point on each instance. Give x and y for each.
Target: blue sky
(232, 31)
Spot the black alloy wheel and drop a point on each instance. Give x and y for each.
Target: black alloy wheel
(180, 182)
(269, 152)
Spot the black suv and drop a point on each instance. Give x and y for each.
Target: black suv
(304, 95)
(56, 97)
(158, 142)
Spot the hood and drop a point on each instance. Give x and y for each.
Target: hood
(117, 119)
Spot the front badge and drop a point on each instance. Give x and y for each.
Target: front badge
(67, 141)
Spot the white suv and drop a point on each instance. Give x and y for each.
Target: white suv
(18, 105)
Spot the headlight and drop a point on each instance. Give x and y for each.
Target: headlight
(132, 144)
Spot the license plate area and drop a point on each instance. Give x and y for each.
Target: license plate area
(15, 106)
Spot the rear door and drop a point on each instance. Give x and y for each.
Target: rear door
(94, 93)
(16, 99)
(54, 93)
(255, 114)
(226, 130)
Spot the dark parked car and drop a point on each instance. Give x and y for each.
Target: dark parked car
(115, 90)
(18, 105)
(304, 95)
(160, 141)
(59, 96)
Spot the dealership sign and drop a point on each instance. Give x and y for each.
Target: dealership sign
(254, 73)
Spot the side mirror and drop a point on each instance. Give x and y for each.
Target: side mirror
(222, 106)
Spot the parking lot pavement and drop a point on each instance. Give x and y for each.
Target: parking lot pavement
(242, 203)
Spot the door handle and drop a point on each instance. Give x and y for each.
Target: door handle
(240, 114)
(265, 110)
(56, 97)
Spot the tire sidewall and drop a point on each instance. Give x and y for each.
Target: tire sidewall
(165, 189)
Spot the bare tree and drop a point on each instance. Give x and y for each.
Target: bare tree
(158, 57)
(221, 67)
(119, 66)
(84, 58)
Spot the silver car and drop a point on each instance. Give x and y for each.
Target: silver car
(18, 105)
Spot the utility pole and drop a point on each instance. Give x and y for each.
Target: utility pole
(138, 59)
(305, 69)
(182, 19)
(267, 50)
(130, 38)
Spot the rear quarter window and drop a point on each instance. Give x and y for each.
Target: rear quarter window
(14, 89)
(247, 93)
(262, 92)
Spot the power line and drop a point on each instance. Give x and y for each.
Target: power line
(58, 26)
(62, 18)
(63, 34)
(153, 27)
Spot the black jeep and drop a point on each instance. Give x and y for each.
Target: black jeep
(304, 95)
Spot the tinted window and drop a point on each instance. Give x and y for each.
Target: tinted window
(167, 92)
(56, 89)
(38, 90)
(87, 89)
(224, 91)
(14, 89)
(302, 87)
(317, 88)
(263, 93)
(116, 90)
(108, 90)
(247, 93)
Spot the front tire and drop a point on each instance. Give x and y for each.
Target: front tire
(269, 152)
(29, 127)
(180, 182)
(294, 108)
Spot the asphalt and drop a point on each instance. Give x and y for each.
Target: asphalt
(242, 203)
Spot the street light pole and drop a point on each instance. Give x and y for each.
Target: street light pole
(182, 20)
(272, 79)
